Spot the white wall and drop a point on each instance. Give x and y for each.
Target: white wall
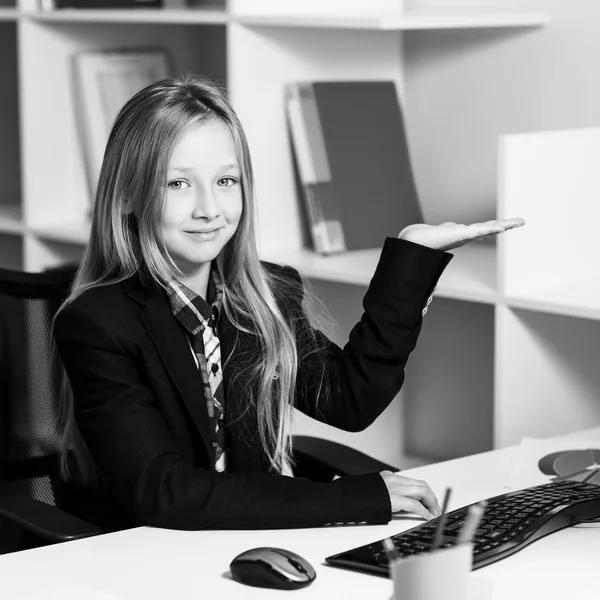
(463, 88)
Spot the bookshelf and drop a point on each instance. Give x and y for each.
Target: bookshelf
(8, 14)
(409, 20)
(470, 276)
(49, 205)
(502, 311)
(190, 16)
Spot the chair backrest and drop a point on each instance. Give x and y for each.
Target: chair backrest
(30, 381)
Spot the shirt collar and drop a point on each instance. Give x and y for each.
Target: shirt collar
(190, 309)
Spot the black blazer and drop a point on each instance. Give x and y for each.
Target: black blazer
(139, 405)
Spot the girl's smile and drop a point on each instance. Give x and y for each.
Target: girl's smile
(206, 235)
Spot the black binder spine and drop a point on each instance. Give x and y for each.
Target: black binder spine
(56, 4)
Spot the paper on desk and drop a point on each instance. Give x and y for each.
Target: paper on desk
(535, 454)
(70, 592)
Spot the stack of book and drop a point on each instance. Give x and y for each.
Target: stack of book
(352, 160)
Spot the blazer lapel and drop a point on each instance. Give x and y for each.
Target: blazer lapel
(243, 445)
(172, 345)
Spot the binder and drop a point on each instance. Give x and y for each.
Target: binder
(352, 158)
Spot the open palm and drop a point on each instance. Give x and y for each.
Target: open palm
(452, 235)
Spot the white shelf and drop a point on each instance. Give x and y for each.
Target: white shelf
(11, 220)
(409, 20)
(76, 232)
(354, 268)
(471, 275)
(546, 267)
(580, 300)
(160, 16)
(8, 14)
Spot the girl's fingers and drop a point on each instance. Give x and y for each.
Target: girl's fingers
(417, 484)
(409, 480)
(515, 222)
(504, 223)
(422, 493)
(482, 230)
(414, 506)
(401, 487)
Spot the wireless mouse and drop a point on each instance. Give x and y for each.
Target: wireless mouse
(272, 568)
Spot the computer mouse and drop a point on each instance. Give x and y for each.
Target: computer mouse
(272, 568)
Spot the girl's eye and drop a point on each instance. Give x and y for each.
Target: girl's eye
(178, 184)
(226, 181)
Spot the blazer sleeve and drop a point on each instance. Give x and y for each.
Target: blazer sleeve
(142, 466)
(354, 384)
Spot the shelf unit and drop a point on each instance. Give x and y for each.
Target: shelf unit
(496, 311)
(51, 207)
(470, 276)
(409, 20)
(140, 16)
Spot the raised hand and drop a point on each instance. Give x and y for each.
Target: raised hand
(452, 235)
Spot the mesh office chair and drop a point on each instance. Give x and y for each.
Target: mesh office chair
(31, 495)
(30, 491)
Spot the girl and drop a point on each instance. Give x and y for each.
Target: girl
(185, 353)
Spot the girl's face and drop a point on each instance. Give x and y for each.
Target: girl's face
(204, 196)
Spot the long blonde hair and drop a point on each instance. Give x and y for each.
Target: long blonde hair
(124, 242)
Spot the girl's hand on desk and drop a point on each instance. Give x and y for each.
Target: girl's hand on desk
(452, 235)
(411, 495)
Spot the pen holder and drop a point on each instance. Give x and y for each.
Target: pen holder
(438, 575)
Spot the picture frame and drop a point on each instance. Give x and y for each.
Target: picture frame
(104, 81)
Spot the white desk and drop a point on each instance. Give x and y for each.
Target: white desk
(153, 564)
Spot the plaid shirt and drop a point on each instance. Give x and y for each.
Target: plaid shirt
(199, 319)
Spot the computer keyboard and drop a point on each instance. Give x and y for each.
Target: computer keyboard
(510, 522)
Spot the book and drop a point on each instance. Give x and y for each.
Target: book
(352, 159)
(103, 82)
(53, 4)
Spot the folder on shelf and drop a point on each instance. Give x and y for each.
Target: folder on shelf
(352, 159)
(52, 4)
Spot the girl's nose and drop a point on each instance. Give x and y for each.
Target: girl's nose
(206, 206)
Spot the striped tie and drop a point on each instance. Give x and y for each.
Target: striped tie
(193, 313)
(212, 350)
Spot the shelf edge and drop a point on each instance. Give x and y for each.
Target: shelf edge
(132, 17)
(409, 21)
(541, 306)
(9, 14)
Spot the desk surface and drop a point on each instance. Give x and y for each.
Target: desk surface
(152, 564)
